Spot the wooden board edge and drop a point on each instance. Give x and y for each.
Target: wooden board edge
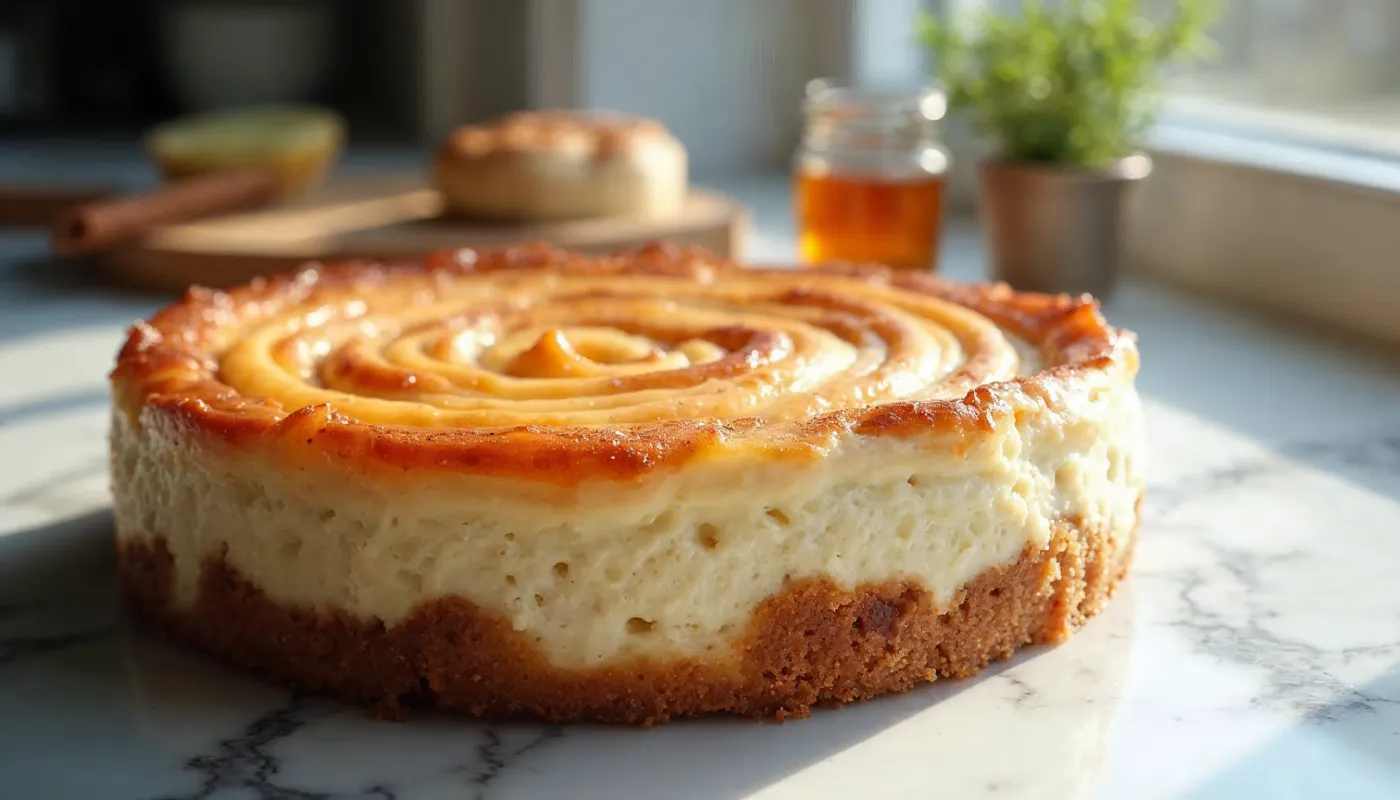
(160, 270)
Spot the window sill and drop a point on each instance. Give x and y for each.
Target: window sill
(1290, 227)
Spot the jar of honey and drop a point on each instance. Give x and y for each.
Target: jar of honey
(869, 176)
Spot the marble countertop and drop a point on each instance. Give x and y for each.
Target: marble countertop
(1254, 652)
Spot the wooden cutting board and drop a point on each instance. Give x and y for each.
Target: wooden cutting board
(377, 216)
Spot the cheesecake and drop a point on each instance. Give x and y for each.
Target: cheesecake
(532, 483)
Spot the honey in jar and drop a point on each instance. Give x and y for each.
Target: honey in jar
(869, 177)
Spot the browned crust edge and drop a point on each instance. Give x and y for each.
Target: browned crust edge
(811, 643)
(167, 374)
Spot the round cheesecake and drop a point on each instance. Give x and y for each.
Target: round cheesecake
(556, 165)
(533, 483)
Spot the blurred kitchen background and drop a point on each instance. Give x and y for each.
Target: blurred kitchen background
(725, 75)
(1273, 160)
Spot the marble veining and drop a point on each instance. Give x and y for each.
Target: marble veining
(1301, 676)
(1254, 652)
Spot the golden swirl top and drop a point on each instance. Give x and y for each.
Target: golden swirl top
(532, 340)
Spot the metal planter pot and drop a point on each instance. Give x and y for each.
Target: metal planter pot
(1054, 229)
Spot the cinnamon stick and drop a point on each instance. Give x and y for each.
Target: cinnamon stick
(100, 225)
(39, 206)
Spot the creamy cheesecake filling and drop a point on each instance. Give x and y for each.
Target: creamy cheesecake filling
(672, 564)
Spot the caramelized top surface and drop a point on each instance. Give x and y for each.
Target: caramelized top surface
(534, 362)
(596, 134)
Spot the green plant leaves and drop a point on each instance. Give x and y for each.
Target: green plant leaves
(1076, 84)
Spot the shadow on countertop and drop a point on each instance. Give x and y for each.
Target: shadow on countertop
(1361, 731)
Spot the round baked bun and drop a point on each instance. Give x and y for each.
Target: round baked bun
(551, 165)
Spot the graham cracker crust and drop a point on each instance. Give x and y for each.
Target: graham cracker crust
(811, 643)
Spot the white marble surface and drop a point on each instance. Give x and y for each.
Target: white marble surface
(1255, 651)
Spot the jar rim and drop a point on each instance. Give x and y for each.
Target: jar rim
(827, 95)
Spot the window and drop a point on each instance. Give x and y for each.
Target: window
(1323, 72)
(1279, 166)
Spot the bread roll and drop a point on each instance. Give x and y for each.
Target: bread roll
(562, 165)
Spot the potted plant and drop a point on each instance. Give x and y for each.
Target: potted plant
(1064, 93)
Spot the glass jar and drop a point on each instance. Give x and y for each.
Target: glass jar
(868, 177)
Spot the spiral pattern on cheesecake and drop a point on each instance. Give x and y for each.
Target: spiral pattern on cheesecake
(589, 350)
(506, 342)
